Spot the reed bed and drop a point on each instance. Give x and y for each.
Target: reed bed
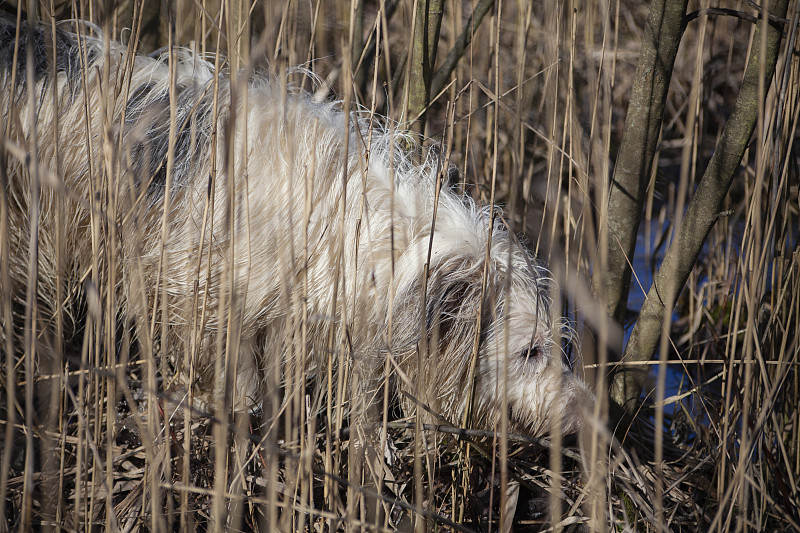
(531, 117)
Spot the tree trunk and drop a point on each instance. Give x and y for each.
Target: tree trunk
(704, 208)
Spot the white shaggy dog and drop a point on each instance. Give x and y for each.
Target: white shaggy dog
(293, 235)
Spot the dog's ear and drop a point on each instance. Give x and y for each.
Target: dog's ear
(444, 307)
(453, 309)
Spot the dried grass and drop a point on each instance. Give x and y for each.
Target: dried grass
(536, 109)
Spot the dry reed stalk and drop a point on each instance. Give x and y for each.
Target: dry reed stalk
(532, 119)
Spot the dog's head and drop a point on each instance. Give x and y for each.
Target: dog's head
(491, 345)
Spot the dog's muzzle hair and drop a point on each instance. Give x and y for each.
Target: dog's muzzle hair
(231, 228)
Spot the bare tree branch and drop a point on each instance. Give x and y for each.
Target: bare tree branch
(777, 22)
(423, 59)
(449, 65)
(662, 35)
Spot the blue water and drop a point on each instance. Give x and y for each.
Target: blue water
(650, 249)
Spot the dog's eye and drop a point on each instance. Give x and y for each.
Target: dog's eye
(531, 353)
